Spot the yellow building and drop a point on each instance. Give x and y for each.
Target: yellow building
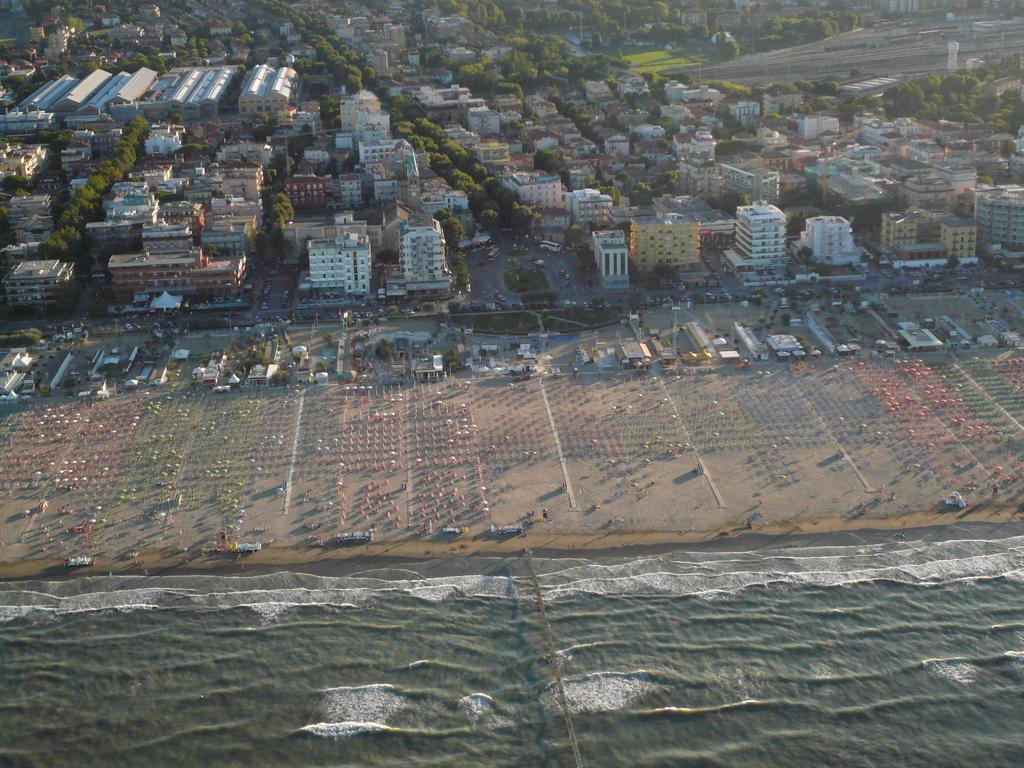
(671, 238)
(902, 228)
(960, 236)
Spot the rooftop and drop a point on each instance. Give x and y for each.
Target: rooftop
(38, 268)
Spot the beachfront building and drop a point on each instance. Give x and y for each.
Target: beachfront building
(830, 240)
(904, 228)
(759, 256)
(611, 254)
(999, 216)
(422, 263)
(341, 265)
(188, 271)
(667, 239)
(37, 283)
(960, 237)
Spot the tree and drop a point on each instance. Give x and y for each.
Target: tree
(451, 226)
(384, 349)
(489, 219)
(14, 184)
(522, 218)
(452, 362)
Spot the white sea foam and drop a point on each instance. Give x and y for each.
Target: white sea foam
(13, 612)
(821, 671)
(351, 711)
(337, 730)
(956, 670)
(479, 709)
(601, 691)
(271, 611)
(365, 703)
(707, 575)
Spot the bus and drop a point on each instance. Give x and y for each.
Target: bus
(548, 245)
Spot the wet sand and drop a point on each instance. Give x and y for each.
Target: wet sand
(990, 522)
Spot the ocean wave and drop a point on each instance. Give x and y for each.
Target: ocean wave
(955, 669)
(710, 710)
(1017, 657)
(568, 653)
(342, 729)
(600, 691)
(705, 576)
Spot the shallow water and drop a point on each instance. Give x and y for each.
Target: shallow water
(902, 654)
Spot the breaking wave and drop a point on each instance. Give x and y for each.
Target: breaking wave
(600, 691)
(699, 574)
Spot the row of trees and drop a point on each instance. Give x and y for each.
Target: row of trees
(67, 243)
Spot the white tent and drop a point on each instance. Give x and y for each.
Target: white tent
(165, 301)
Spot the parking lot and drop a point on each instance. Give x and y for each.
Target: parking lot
(560, 269)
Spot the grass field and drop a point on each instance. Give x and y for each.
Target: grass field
(525, 280)
(657, 61)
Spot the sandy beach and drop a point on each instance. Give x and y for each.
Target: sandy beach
(593, 463)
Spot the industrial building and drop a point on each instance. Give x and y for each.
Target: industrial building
(266, 89)
(66, 94)
(122, 88)
(195, 92)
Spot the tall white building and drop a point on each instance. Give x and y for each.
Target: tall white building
(813, 126)
(611, 253)
(341, 264)
(759, 256)
(421, 252)
(590, 206)
(830, 240)
(999, 216)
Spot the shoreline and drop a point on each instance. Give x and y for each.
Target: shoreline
(999, 523)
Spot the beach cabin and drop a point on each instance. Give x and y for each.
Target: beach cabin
(428, 368)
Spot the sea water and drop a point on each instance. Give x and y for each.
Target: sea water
(886, 654)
